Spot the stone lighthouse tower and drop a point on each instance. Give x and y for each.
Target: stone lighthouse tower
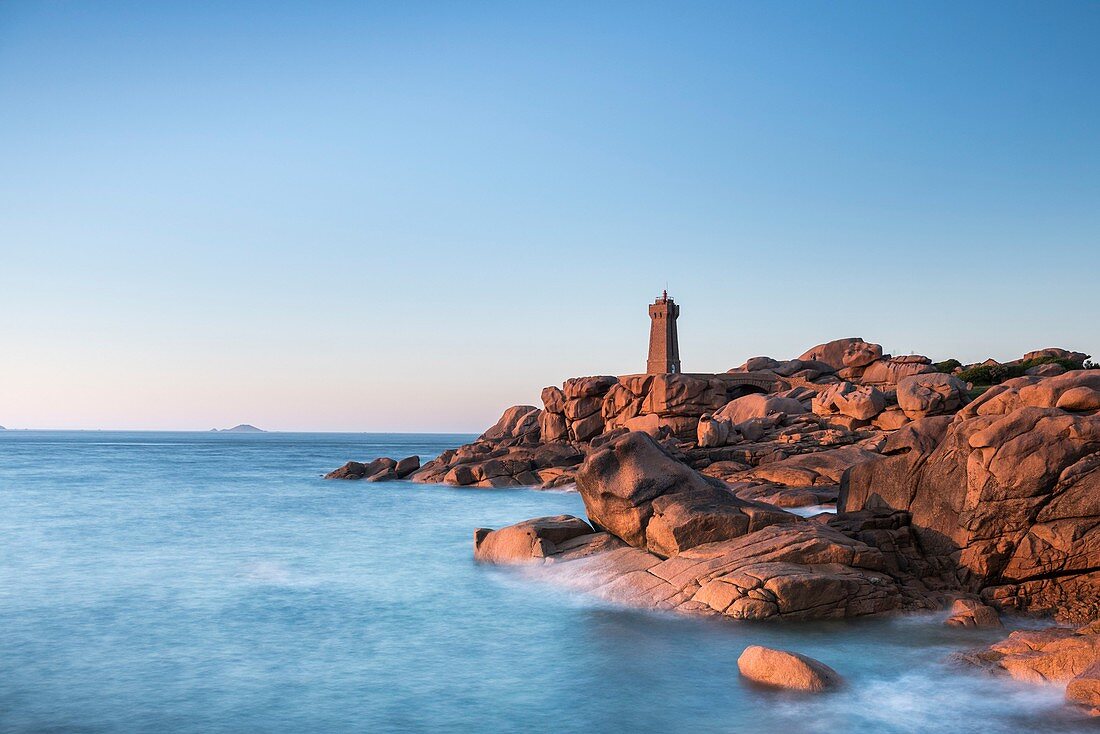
(664, 347)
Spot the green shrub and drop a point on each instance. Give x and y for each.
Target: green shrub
(1068, 364)
(991, 374)
(947, 366)
(995, 374)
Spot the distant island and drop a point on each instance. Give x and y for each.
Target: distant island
(240, 428)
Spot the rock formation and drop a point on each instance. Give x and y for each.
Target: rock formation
(783, 669)
(939, 497)
(991, 505)
(1059, 655)
(633, 488)
(531, 539)
(674, 538)
(510, 454)
(997, 500)
(1084, 689)
(923, 395)
(796, 571)
(1008, 489)
(380, 470)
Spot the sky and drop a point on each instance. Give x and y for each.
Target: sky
(331, 216)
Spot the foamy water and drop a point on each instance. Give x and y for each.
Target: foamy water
(214, 583)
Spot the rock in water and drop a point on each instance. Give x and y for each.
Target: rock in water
(350, 470)
(972, 613)
(528, 541)
(783, 669)
(407, 466)
(1050, 655)
(1084, 690)
(379, 470)
(800, 571)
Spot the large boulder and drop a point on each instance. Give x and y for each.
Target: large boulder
(350, 470)
(528, 541)
(588, 387)
(782, 572)
(890, 419)
(859, 354)
(581, 401)
(712, 433)
(1081, 399)
(972, 613)
(379, 470)
(553, 427)
(683, 520)
(816, 468)
(931, 393)
(756, 405)
(1008, 489)
(1084, 689)
(753, 364)
(1055, 353)
(634, 489)
(519, 421)
(1076, 387)
(679, 400)
(805, 369)
(1049, 655)
(553, 399)
(739, 418)
(840, 353)
(861, 402)
(407, 466)
(888, 371)
(783, 669)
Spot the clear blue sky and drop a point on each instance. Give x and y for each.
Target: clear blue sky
(407, 216)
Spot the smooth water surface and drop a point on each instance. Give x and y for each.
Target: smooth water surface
(190, 582)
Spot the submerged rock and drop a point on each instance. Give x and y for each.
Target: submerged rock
(1050, 654)
(783, 669)
(1084, 690)
(972, 613)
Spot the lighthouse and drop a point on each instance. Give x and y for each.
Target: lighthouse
(664, 348)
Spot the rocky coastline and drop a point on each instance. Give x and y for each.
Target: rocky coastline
(842, 483)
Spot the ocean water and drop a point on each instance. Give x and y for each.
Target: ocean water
(191, 582)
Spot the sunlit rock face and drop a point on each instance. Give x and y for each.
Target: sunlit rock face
(1009, 487)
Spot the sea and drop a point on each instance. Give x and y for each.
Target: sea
(214, 582)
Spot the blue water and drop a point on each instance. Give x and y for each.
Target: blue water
(191, 582)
